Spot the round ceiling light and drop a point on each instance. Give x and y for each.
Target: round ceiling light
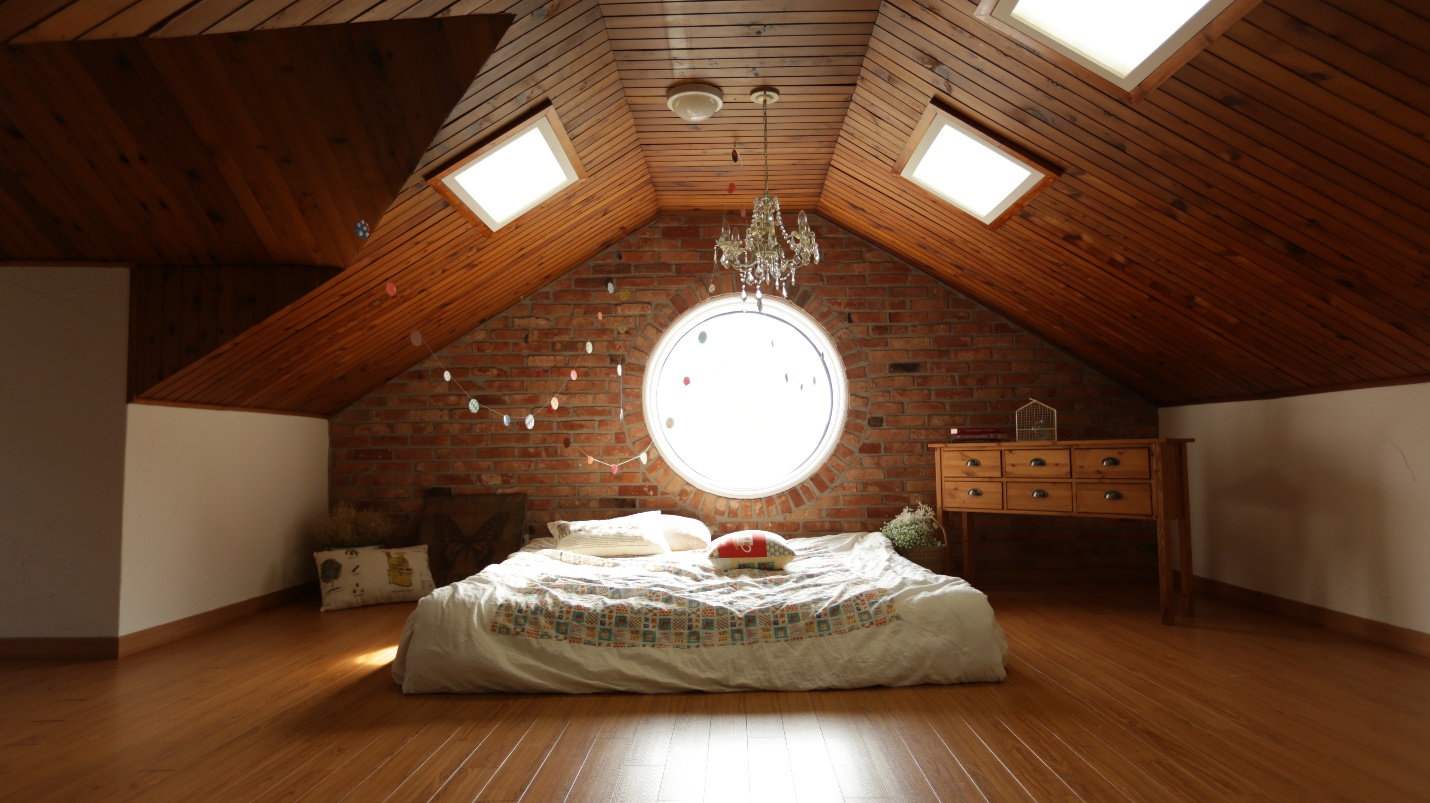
(694, 102)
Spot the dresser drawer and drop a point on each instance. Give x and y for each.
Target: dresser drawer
(1054, 497)
(1115, 498)
(1036, 463)
(1112, 463)
(973, 494)
(972, 463)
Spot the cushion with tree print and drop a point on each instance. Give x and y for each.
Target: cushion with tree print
(349, 578)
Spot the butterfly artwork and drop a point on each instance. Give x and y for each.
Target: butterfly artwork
(466, 533)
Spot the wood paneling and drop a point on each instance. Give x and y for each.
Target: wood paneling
(329, 348)
(1101, 703)
(177, 315)
(810, 50)
(1256, 225)
(254, 148)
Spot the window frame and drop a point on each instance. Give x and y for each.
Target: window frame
(922, 138)
(791, 314)
(544, 115)
(1184, 45)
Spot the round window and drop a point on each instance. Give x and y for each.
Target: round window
(742, 403)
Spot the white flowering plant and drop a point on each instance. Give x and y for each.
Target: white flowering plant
(915, 527)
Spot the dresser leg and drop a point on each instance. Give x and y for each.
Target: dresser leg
(1184, 547)
(1165, 589)
(967, 526)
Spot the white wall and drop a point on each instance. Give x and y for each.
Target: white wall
(63, 339)
(1323, 499)
(216, 506)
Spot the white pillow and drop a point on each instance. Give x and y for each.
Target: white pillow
(349, 578)
(683, 532)
(626, 536)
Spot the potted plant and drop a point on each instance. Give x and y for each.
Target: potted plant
(917, 535)
(350, 528)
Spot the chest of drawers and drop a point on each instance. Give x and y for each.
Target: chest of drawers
(1129, 479)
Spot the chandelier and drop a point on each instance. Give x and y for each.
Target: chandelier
(758, 256)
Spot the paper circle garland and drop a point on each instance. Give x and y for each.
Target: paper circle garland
(554, 403)
(623, 413)
(530, 421)
(589, 347)
(615, 470)
(670, 423)
(573, 374)
(446, 376)
(731, 188)
(362, 229)
(600, 316)
(391, 289)
(474, 405)
(643, 458)
(701, 337)
(506, 420)
(618, 369)
(712, 287)
(415, 337)
(590, 460)
(566, 442)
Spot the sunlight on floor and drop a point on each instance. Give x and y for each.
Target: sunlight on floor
(377, 657)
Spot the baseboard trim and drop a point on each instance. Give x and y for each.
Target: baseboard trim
(208, 620)
(1387, 635)
(97, 648)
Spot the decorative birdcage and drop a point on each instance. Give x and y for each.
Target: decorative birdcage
(1036, 421)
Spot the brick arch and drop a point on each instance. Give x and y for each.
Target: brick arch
(729, 514)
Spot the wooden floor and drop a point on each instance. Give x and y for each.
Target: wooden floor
(1101, 703)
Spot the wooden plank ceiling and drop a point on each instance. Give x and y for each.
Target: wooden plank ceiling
(1257, 225)
(252, 148)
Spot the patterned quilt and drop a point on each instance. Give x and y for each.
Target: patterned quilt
(673, 602)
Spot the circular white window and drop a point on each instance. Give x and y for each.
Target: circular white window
(745, 404)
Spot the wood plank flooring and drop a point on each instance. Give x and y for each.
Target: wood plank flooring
(1101, 703)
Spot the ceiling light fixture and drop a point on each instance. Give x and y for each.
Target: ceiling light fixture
(758, 256)
(694, 102)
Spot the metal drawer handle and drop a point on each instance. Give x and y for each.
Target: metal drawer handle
(1112, 495)
(1037, 461)
(974, 492)
(1040, 494)
(973, 462)
(1111, 461)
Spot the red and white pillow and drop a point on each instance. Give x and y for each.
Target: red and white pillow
(750, 549)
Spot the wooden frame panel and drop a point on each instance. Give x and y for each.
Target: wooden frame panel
(1052, 51)
(546, 111)
(936, 110)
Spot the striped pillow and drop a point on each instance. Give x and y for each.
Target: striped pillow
(750, 549)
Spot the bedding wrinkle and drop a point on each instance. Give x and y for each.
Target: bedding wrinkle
(846, 612)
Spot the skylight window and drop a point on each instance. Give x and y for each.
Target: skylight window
(511, 174)
(1132, 44)
(971, 170)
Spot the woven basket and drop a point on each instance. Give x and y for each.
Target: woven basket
(933, 558)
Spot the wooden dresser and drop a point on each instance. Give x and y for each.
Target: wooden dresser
(1122, 479)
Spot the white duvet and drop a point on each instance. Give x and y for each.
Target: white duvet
(847, 612)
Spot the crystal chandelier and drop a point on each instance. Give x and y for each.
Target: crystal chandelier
(758, 256)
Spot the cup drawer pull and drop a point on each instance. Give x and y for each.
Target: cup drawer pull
(974, 492)
(1111, 461)
(973, 462)
(1112, 495)
(1037, 461)
(1040, 494)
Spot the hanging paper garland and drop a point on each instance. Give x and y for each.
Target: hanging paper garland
(391, 289)
(362, 229)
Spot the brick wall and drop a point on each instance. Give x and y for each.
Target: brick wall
(973, 368)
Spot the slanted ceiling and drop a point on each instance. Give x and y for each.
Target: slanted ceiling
(1255, 226)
